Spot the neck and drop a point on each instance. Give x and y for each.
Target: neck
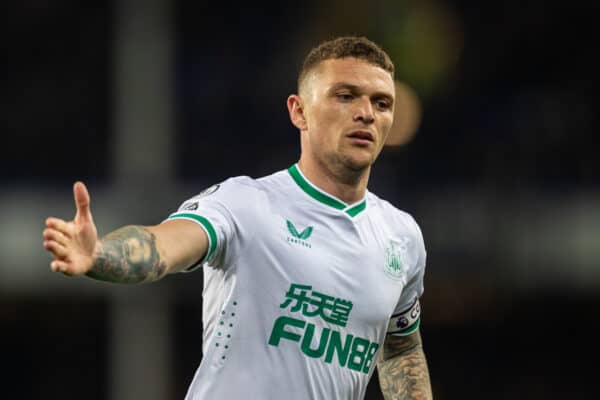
(345, 184)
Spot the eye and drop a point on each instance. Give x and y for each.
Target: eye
(383, 104)
(344, 96)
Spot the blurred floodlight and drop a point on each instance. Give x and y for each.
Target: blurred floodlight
(425, 39)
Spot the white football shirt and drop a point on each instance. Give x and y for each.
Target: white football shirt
(300, 289)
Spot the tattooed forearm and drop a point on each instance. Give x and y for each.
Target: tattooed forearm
(402, 369)
(128, 255)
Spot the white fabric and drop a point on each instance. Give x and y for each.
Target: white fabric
(272, 233)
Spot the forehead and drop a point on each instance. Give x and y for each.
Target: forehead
(351, 71)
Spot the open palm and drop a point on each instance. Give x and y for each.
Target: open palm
(72, 243)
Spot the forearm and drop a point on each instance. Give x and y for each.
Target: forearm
(128, 255)
(403, 372)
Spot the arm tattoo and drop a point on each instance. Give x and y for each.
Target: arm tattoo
(128, 255)
(402, 369)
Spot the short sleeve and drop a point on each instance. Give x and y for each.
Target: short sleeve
(211, 209)
(407, 314)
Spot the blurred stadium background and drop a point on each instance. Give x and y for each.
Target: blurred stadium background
(151, 101)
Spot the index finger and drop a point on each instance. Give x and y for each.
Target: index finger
(60, 225)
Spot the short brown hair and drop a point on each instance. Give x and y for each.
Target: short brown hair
(343, 47)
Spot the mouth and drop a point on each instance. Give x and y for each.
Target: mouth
(361, 137)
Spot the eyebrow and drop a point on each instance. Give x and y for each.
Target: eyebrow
(357, 89)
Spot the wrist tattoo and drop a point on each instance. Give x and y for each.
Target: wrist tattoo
(403, 372)
(128, 255)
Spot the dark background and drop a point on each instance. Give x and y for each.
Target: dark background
(502, 175)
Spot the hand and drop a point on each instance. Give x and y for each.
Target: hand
(73, 243)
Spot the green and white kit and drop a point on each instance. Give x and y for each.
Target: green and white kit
(300, 289)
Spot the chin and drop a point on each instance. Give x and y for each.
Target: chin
(356, 163)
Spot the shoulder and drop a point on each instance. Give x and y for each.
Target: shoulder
(257, 189)
(264, 183)
(238, 191)
(393, 215)
(236, 186)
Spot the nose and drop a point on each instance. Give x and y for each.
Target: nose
(364, 111)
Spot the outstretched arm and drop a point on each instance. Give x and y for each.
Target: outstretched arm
(402, 369)
(132, 254)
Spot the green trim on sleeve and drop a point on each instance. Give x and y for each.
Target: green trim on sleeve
(210, 230)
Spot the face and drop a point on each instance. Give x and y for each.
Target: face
(344, 112)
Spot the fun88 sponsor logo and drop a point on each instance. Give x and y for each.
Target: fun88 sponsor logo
(347, 350)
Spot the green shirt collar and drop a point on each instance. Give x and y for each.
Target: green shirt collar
(327, 199)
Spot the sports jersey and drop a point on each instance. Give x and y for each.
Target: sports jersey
(300, 288)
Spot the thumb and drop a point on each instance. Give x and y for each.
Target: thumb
(82, 202)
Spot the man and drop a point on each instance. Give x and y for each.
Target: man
(307, 273)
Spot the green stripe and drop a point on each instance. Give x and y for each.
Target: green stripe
(322, 197)
(312, 192)
(357, 208)
(410, 329)
(212, 235)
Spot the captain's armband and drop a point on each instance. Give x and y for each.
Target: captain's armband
(406, 322)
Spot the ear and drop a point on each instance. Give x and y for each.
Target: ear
(296, 111)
